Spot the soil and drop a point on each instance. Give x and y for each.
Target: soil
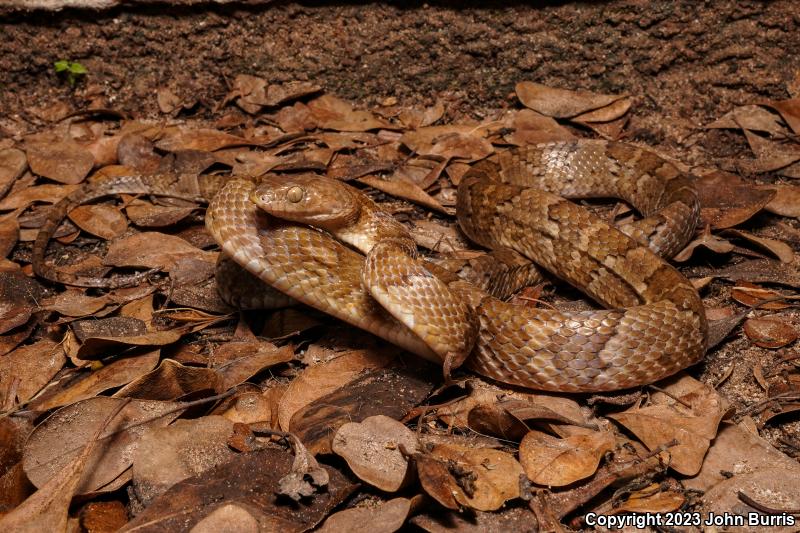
(686, 63)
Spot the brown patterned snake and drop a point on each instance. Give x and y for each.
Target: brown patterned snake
(656, 324)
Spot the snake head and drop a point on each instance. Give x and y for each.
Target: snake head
(308, 199)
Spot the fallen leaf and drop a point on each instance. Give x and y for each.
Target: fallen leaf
(779, 249)
(386, 517)
(751, 295)
(334, 113)
(668, 420)
(749, 117)
(786, 201)
(726, 200)
(178, 138)
(27, 196)
(229, 517)
(258, 355)
(167, 455)
(769, 332)
(478, 478)
(12, 164)
(104, 221)
(376, 451)
(318, 380)
(531, 127)
(772, 156)
(651, 499)
(706, 240)
(561, 103)
(63, 436)
(64, 161)
(249, 480)
(789, 110)
(147, 215)
(171, 380)
(551, 461)
(26, 370)
(406, 190)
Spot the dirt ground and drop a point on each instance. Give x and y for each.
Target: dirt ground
(686, 64)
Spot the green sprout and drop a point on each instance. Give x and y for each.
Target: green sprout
(73, 70)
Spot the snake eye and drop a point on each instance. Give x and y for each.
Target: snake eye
(294, 194)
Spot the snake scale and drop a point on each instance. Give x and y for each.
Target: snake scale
(655, 323)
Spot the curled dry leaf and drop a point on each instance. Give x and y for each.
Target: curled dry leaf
(318, 380)
(334, 113)
(779, 249)
(249, 480)
(726, 200)
(208, 140)
(751, 295)
(376, 449)
(26, 370)
(531, 127)
(667, 420)
(750, 117)
(406, 190)
(64, 161)
(772, 156)
(705, 240)
(306, 478)
(27, 196)
(104, 221)
(91, 383)
(12, 164)
(789, 110)
(769, 332)
(171, 380)
(147, 215)
(561, 103)
(165, 456)
(786, 201)
(651, 499)
(551, 461)
(386, 517)
(478, 478)
(63, 435)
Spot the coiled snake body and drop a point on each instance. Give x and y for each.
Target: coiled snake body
(655, 324)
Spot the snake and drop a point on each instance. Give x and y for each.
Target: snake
(515, 201)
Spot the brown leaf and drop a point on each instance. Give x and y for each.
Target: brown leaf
(157, 250)
(26, 370)
(93, 382)
(9, 234)
(181, 138)
(557, 462)
(249, 480)
(749, 117)
(47, 509)
(147, 215)
(104, 221)
(531, 127)
(769, 333)
(750, 294)
(19, 297)
(334, 113)
(318, 380)
(63, 161)
(137, 152)
(706, 240)
(385, 517)
(167, 455)
(786, 201)
(437, 237)
(789, 110)
(376, 451)
(424, 141)
(295, 118)
(75, 303)
(478, 478)
(666, 420)
(406, 190)
(651, 499)
(772, 155)
(171, 380)
(608, 113)
(12, 164)
(561, 103)
(63, 435)
(726, 200)
(40, 193)
(389, 391)
(257, 355)
(229, 517)
(779, 249)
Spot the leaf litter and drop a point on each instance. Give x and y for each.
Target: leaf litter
(164, 409)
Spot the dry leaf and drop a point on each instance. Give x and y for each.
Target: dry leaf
(651, 499)
(171, 380)
(406, 190)
(104, 221)
(257, 355)
(165, 456)
(318, 380)
(786, 201)
(334, 113)
(666, 420)
(751, 295)
(179, 138)
(706, 240)
(557, 462)
(26, 370)
(64, 161)
(789, 110)
(12, 164)
(749, 117)
(769, 332)
(478, 478)
(531, 127)
(27, 196)
(386, 517)
(561, 103)
(376, 451)
(779, 249)
(63, 435)
(726, 200)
